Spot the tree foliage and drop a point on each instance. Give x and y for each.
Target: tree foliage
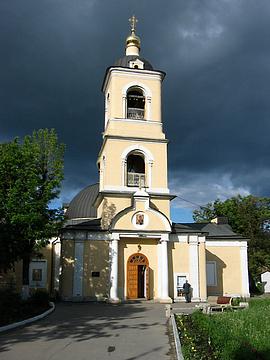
(31, 172)
(248, 216)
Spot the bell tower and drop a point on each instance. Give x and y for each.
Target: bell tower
(133, 155)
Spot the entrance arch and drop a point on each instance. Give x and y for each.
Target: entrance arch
(137, 276)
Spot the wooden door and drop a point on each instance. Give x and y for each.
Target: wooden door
(132, 281)
(132, 275)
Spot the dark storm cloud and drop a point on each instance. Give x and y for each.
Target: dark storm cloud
(216, 107)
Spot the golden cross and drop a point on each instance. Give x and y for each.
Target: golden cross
(133, 22)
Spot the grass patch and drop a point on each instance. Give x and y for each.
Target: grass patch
(232, 335)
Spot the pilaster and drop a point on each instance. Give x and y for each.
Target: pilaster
(114, 269)
(78, 270)
(244, 270)
(163, 264)
(194, 267)
(202, 269)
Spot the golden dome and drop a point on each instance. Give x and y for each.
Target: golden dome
(133, 40)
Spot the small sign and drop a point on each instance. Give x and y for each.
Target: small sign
(95, 274)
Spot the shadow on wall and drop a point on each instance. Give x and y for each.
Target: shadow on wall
(66, 266)
(108, 213)
(170, 269)
(95, 270)
(220, 265)
(97, 260)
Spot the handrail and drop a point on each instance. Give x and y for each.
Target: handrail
(135, 113)
(136, 179)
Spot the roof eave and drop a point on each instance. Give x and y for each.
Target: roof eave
(123, 68)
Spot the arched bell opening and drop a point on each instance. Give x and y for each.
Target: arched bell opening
(136, 170)
(137, 277)
(135, 104)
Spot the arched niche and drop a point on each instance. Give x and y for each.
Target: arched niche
(146, 156)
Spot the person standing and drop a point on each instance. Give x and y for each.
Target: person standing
(186, 288)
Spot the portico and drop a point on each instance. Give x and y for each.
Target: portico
(138, 260)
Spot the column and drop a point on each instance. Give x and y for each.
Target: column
(101, 179)
(114, 268)
(194, 267)
(202, 269)
(149, 112)
(149, 177)
(56, 248)
(78, 270)
(159, 271)
(124, 172)
(164, 269)
(244, 270)
(124, 107)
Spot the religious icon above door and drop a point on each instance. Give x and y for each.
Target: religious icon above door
(139, 219)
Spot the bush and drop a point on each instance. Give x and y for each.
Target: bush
(236, 301)
(39, 297)
(14, 309)
(260, 288)
(9, 298)
(10, 305)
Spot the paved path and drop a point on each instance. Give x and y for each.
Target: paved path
(184, 308)
(92, 331)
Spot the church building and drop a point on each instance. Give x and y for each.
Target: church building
(119, 242)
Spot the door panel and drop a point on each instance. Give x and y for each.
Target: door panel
(132, 281)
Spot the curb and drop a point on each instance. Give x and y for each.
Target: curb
(176, 339)
(28, 321)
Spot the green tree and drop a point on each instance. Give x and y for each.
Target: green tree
(31, 172)
(248, 216)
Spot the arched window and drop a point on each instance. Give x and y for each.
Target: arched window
(135, 104)
(135, 170)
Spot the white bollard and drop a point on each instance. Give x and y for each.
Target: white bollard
(168, 311)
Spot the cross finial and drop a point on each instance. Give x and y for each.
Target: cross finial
(133, 22)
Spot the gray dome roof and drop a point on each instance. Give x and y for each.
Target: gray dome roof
(81, 206)
(124, 62)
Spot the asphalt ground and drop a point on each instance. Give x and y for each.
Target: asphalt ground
(91, 331)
